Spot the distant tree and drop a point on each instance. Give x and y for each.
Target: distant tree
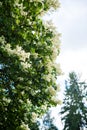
(28, 72)
(48, 122)
(74, 110)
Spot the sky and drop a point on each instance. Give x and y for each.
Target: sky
(71, 21)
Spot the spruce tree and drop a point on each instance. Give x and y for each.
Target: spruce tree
(74, 110)
(48, 122)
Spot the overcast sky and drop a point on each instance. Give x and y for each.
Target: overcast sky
(71, 22)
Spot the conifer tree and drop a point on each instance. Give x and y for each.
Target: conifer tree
(74, 110)
(48, 122)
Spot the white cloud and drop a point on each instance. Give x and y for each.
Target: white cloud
(74, 61)
(71, 21)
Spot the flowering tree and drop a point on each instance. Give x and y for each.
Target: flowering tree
(28, 71)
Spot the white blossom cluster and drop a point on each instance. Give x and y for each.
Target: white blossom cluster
(53, 3)
(0, 4)
(35, 55)
(52, 91)
(55, 40)
(2, 40)
(21, 101)
(21, 7)
(28, 101)
(49, 25)
(55, 47)
(34, 117)
(56, 100)
(58, 68)
(2, 90)
(24, 126)
(7, 100)
(58, 88)
(21, 53)
(18, 51)
(50, 65)
(36, 0)
(49, 77)
(44, 107)
(25, 65)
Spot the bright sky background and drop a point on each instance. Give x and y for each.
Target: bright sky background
(71, 22)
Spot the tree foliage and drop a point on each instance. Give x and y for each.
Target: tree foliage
(74, 111)
(28, 72)
(48, 122)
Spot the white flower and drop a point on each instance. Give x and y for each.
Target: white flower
(20, 78)
(58, 88)
(24, 126)
(33, 32)
(35, 55)
(18, 49)
(52, 91)
(34, 117)
(58, 69)
(36, 0)
(54, 3)
(21, 7)
(25, 65)
(2, 40)
(56, 36)
(22, 93)
(7, 100)
(54, 53)
(49, 25)
(21, 101)
(47, 77)
(21, 53)
(49, 65)
(28, 101)
(56, 100)
(23, 56)
(7, 47)
(44, 107)
(0, 4)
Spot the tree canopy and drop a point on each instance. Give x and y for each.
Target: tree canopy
(74, 110)
(28, 71)
(47, 122)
